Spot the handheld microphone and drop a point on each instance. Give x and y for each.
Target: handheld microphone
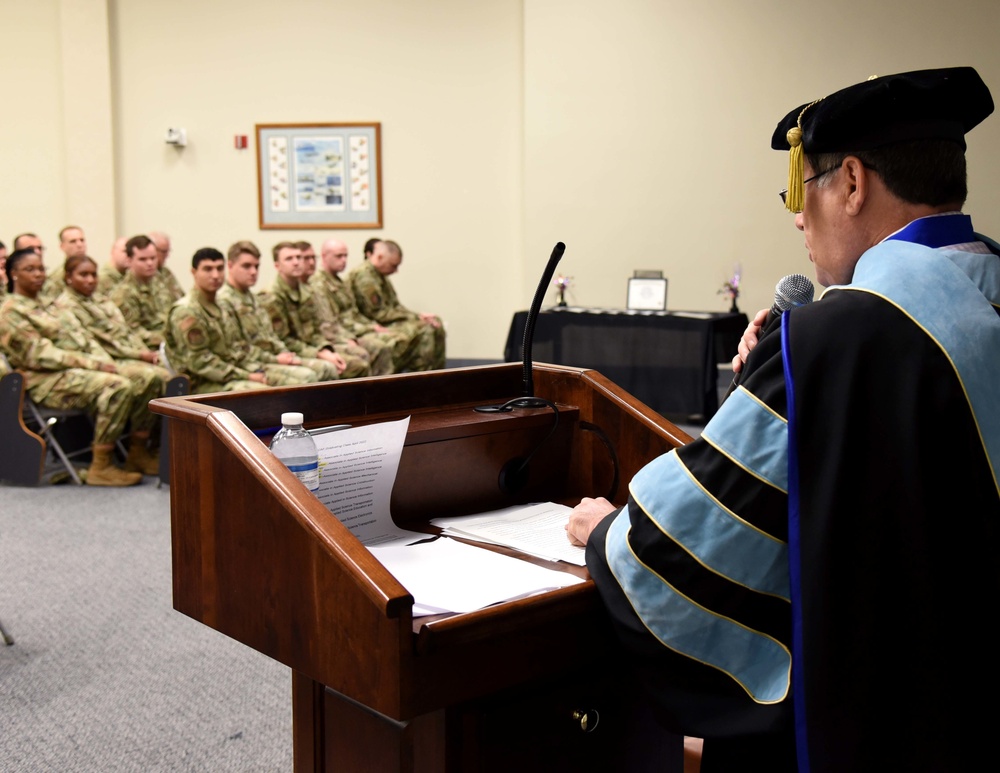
(791, 291)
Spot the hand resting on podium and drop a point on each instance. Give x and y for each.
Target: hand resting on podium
(585, 517)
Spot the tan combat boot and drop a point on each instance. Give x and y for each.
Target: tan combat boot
(140, 459)
(103, 473)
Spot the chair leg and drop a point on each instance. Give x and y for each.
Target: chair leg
(7, 638)
(58, 451)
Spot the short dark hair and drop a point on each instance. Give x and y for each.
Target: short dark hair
(281, 246)
(370, 246)
(206, 253)
(139, 242)
(12, 260)
(71, 263)
(238, 248)
(303, 245)
(928, 172)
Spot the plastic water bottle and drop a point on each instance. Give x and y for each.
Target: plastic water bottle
(297, 449)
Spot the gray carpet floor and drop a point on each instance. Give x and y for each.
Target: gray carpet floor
(104, 674)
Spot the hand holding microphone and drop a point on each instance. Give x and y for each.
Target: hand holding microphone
(791, 291)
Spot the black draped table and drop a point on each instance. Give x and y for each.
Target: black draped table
(666, 359)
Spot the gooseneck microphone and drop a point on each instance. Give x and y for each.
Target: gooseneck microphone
(514, 474)
(527, 399)
(528, 388)
(791, 291)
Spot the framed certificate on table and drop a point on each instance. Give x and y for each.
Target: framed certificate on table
(647, 294)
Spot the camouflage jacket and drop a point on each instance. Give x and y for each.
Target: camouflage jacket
(336, 293)
(143, 308)
(55, 282)
(39, 340)
(104, 321)
(108, 278)
(169, 285)
(295, 318)
(254, 322)
(204, 341)
(376, 298)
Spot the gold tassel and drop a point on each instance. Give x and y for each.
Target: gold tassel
(795, 199)
(796, 190)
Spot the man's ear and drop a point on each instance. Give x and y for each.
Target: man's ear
(857, 182)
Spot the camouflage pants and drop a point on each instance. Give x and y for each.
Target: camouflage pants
(237, 385)
(358, 362)
(289, 375)
(380, 348)
(148, 382)
(421, 346)
(109, 397)
(325, 371)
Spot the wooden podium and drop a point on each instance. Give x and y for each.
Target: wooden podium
(519, 685)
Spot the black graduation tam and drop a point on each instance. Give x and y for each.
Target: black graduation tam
(924, 104)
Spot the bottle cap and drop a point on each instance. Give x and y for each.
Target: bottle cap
(291, 419)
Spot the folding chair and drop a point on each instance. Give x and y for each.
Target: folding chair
(29, 432)
(22, 455)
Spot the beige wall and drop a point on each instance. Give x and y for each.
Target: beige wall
(33, 189)
(648, 126)
(637, 132)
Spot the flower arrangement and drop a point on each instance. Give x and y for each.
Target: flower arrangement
(562, 283)
(731, 288)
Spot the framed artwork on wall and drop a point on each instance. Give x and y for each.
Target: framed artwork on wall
(319, 175)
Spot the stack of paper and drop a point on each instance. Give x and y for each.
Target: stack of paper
(448, 576)
(538, 530)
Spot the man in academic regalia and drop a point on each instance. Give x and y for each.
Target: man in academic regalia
(810, 585)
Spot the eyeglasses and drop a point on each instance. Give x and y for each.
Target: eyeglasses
(783, 193)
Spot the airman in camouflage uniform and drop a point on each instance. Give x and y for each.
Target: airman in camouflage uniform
(170, 286)
(65, 368)
(376, 299)
(53, 285)
(104, 321)
(73, 244)
(62, 368)
(142, 304)
(295, 318)
(243, 260)
(338, 310)
(204, 339)
(112, 272)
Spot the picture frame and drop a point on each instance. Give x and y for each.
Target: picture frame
(647, 294)
(319, 175)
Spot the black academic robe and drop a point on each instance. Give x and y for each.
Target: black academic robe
(886, 521)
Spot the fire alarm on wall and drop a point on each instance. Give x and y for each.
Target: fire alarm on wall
(176, 137)
(240, 141)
